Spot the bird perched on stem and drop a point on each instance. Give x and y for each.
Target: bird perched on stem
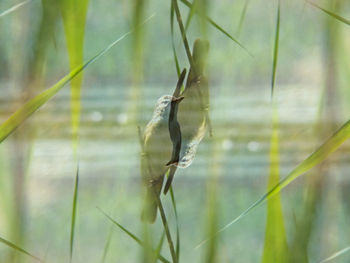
(161, 134)
(171, 137)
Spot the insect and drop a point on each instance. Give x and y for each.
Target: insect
(171, 137)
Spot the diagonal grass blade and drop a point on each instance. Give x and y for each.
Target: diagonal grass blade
(8, 243)
(34, 104)
(134, 237)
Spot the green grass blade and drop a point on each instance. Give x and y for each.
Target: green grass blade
(34, 104)
(177, 65)
(242, 18)
(14, 8)
(214, 24)
(338, 17)
(335, 255)
(166, 229)
(275, 52)
(159, 246)
(74, 213)
(213, 205)
(173, 203)
(319, 155)
(183, 32)
(134, 237)
(74, 19)
(8, 243)
(190, 15)
(107, 245)
(275, 246)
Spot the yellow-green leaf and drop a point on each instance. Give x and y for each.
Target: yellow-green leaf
(275, 246)
(74, 19)
(32, 105)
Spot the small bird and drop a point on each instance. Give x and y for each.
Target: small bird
(175, 131)
(161, 142)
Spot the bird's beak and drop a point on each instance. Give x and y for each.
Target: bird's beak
(178, 99)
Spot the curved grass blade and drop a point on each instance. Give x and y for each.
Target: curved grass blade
(14, 8)
(335, 255)
(318, 156)
(134, 237)
(338, 17)
(34, 104)
(8, 243)
(275, 245)
(275, 52)
(214, 24)
(74, 213)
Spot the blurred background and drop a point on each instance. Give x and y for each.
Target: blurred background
(118, 94)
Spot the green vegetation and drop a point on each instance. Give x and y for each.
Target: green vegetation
(243, 115)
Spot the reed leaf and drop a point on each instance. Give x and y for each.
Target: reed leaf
(317, 157)
(14, 8)
(214, 24)
(177, 65)
(275, 52)
(18, 117)
(74, 213)
(177, 245)
(335, 255)
(134, 237)
(275, 246)
(338, 17)
(242, 18)
(19, 249)
(74, 19)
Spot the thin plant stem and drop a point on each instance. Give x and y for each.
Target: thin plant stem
(166, 228)
(183, 32)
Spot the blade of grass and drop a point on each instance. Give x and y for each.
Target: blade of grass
(173, 203)
(338, 17)
(335, 255)
(17, 248)
(212, 202)
(275, 52)
(34, 104)
(14, 8)
(159, 246)
(107, 245)
(183, 32)
(214, 24)
(242, 18)
(166, 229)
(190, 15)
(275, 245)
(318, 156)
(74, 19)
(74, 213)
(173, 40)
(134, 237)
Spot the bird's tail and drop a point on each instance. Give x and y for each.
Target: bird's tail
(149, 211)
(150, 207)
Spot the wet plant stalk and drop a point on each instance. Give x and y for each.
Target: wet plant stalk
(166, 228)
(183, 33)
